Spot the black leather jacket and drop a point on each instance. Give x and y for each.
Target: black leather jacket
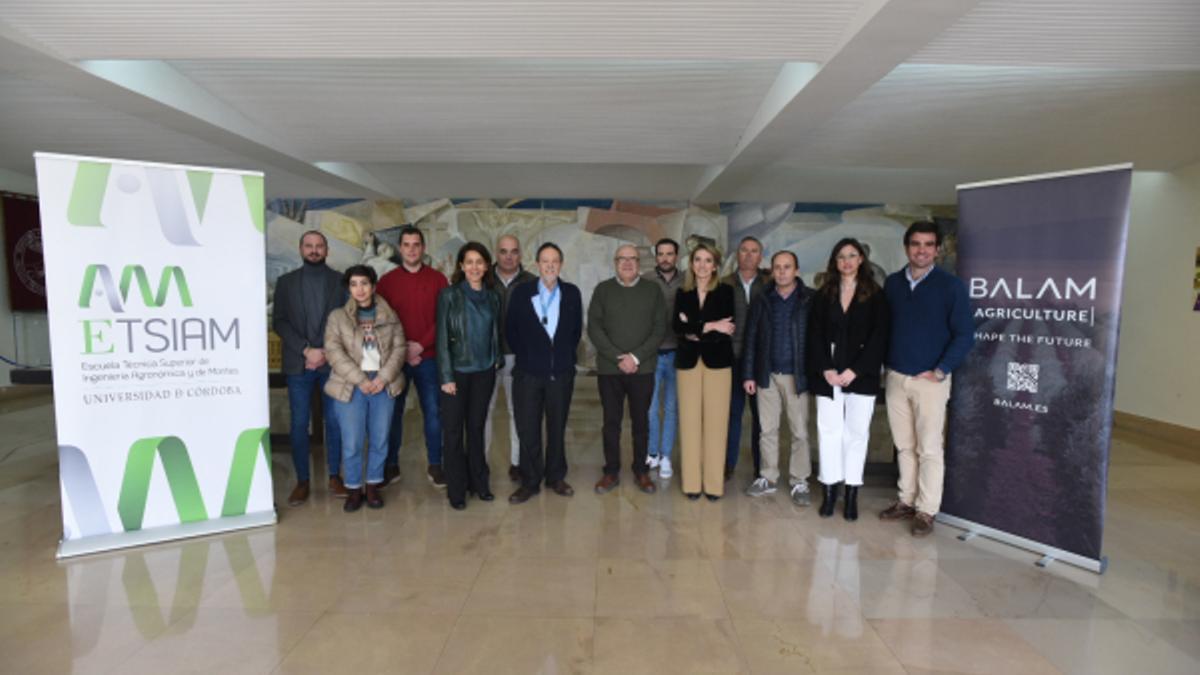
(458, 347)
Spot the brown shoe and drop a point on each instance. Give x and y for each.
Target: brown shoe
(299, 494)
(514, 473)
(922, 524)
(562, 488)
(607, 483)
(354, 501)
(645, 483)
(336, 487)
(391, 474)
(897, 511)
(374, 498)
(521, 496)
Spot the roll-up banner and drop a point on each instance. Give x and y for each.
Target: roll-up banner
(1032, 406)
(156, 293)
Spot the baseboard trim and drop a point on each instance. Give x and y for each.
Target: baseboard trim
(1183, 436)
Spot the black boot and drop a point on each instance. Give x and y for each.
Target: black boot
(830, 500)
(850, 508)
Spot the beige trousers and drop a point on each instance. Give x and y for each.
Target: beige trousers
(703, 395)
(773, 402)
(917, 416)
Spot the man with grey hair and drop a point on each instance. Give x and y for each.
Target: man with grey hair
(507, 274)
(626, 322)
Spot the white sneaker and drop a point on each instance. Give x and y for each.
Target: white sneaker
(760, 487)
(800, 495)
(652, 461)
(664, 468)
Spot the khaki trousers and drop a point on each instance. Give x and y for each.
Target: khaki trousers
(773, 401)
(917, 416)
(703, 395)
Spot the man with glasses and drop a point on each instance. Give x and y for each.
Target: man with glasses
(626, 322)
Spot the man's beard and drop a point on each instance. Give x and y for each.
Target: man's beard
(667, 268)
(314, 263)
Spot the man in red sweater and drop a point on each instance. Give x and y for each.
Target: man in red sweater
(412, 290)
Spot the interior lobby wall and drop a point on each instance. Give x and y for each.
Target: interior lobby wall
(1158, 363)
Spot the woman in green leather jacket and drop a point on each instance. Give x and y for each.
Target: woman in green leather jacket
(468, 353)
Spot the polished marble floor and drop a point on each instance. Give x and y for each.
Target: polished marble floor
(621, 583)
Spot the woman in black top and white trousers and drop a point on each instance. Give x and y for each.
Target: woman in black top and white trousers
(703, 370)
(847, 338)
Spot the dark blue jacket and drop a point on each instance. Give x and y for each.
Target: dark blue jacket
(535, 353)
(931, 326)
(756, 350)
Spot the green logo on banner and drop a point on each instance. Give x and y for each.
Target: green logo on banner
(181, 477)
(118, 295)
(90, 189)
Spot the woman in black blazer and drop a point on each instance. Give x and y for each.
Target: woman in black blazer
(847, 340)
(704, 370)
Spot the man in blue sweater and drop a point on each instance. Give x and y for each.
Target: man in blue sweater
(932, 331)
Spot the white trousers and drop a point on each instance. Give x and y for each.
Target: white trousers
(503, 379)
(843, 427)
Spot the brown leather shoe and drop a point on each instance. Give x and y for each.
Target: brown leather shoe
(299, 494)
(922, 524)
(607, 483)
(521, 496)
(897, 511)
(645, 483)
(354, 501)
(391, 474)
(514, 473)
(336, 487)
(374, 498)
(562, 488)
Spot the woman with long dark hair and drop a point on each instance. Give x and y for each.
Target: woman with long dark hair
(847, 340)
(468, 354)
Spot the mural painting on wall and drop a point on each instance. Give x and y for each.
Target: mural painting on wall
(589, 232)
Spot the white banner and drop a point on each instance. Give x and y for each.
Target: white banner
(157, 308)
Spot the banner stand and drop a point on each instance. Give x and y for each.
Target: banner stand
(70, 548)
(1049, 553)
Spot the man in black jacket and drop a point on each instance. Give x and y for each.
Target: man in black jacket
(773, 369)
(543, 328)
(303, 300)
(508, 274)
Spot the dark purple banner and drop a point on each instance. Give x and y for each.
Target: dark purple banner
(1032, 407)
(23, 253)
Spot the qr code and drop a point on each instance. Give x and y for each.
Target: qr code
(1023, 377)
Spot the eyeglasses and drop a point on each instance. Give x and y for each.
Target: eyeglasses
(626, 258)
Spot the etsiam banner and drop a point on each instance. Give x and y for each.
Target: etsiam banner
(157, 310)
(1032, 407)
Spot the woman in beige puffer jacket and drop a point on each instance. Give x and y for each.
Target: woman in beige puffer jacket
(365, 347)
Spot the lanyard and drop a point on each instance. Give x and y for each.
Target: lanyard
(546, 305)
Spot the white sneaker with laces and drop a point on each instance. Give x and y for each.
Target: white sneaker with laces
(664, 468)
(652, 462)
(800, 495)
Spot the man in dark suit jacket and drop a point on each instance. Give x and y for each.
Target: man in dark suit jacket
(543, 326)
(303, 300)
(748, 282)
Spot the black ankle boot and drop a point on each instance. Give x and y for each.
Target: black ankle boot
(830, 500)
(850, 508)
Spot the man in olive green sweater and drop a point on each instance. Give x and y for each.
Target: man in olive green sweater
(626, 323)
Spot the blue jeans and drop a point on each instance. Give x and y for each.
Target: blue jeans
(425, 376)
(365, 418)
(300, 392)
(664, 391)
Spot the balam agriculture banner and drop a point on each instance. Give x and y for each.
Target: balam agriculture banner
(1032, 406)
(157, 312)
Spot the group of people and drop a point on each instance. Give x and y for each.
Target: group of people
(684, 350)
